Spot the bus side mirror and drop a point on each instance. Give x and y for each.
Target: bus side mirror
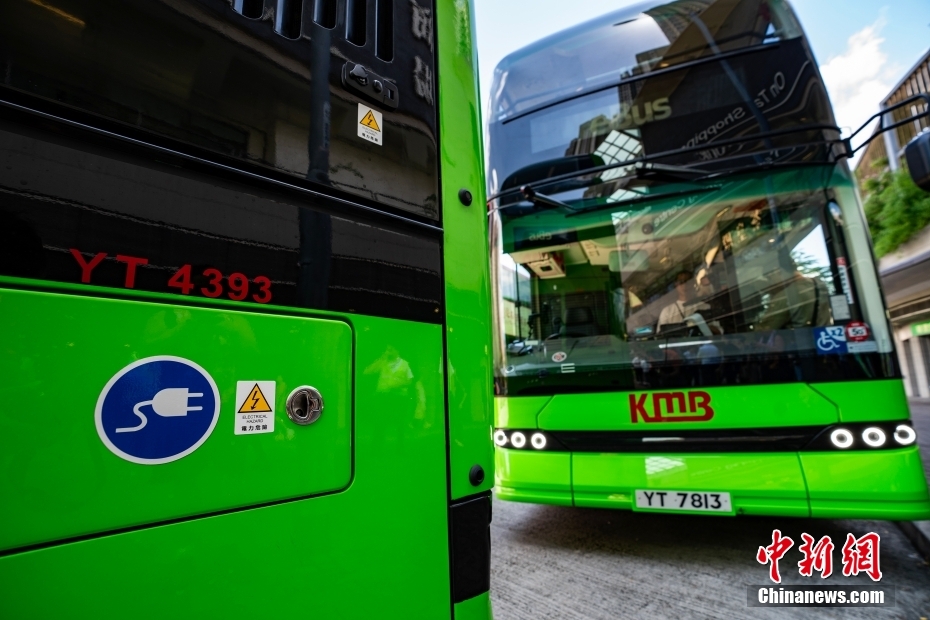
(917, 154)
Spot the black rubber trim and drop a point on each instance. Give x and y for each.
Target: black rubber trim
(777, 439)
(470, 524)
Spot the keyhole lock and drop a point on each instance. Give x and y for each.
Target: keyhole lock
(304, 405)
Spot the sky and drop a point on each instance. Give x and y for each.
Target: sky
(864, 47)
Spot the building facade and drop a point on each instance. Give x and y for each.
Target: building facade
(905, 273)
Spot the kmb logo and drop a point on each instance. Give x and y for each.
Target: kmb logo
(670, 407)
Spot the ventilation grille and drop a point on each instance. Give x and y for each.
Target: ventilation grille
(357, 14)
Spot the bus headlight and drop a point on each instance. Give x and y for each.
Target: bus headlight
(527, 439)
(905, 435)
(841, 438)
(874, 437)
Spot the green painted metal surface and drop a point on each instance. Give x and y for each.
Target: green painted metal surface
(867, 401)
(534, 470)
(876, 485)
(303, 558)
(59, 353)
(346, 518)
(886, 484)
(468, 315)
(609, 480)
(518, 412)
(476, 608)
(867, 485)
(792, 404)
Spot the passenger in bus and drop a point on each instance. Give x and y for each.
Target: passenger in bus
(796, 301)
(677, 313)
(719, 316)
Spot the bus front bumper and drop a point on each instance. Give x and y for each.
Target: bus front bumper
(886, 484)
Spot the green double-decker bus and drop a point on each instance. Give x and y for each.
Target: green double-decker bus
(687, 311)
(244, 310)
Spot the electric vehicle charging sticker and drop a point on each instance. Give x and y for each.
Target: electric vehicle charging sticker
(254, 407)
(157, 410)
(370, 123)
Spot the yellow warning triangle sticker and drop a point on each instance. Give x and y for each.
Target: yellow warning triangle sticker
(370, 122)
(255, 402)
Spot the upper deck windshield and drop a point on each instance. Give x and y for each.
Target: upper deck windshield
(646, 38)
(706, 88)
(687, 224)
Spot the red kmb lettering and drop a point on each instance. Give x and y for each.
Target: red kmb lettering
(670, 407)
(87, 267)
(131, 263)
(638, 408)
(670, 399)
(700, 400)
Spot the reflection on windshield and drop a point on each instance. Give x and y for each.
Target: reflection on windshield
(716, 84)
(632, 42)
(700, 280)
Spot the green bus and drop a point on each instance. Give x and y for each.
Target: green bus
(245, 315)
(687, 311)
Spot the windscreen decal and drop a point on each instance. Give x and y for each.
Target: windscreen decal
(840, 340)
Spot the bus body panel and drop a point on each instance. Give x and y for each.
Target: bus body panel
(652, 410)
(866, 401)
(889, 485)
(475, 608)
(604, 480)
(518, 412)
(211, 140)
(467, 286)
(305, 558)
(543, 477)
(885, 484)
(62, 350)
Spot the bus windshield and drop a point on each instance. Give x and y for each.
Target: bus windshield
(682, 220)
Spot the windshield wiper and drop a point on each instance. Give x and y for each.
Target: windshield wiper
(645, 198)
(692, 149)
(536, 198)
(649, 170)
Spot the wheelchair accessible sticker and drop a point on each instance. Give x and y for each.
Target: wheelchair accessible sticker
(839, 340)
(157, 410)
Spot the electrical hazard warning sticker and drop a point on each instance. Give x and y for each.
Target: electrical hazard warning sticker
(370, 124)
(254, 407)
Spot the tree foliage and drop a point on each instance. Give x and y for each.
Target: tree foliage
(896, 209)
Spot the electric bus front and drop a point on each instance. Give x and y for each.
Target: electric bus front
(688, 316)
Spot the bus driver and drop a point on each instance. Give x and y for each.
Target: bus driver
(682, 308)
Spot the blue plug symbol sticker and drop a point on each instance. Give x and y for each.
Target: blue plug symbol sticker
(168, 403)
(159, 429)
